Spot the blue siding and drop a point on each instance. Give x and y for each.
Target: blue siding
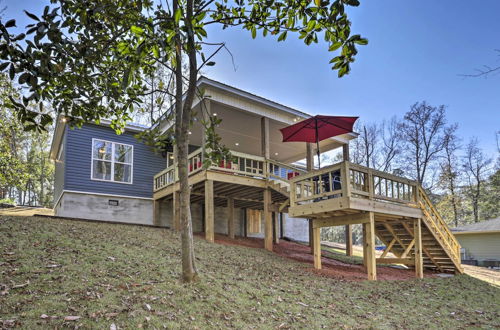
(78, 163)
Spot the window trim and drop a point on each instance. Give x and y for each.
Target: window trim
(112, 161)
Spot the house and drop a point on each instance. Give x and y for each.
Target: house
(261, 191)
(480, 242)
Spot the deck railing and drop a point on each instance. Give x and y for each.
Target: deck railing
(433, 220)
(239, 164)
(361, 182)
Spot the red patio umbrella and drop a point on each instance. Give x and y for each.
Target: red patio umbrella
(318, 128)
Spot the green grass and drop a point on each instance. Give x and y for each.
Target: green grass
(128, 276)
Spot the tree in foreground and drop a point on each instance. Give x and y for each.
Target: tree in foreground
(90, 60)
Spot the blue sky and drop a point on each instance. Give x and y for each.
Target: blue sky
(417, 51)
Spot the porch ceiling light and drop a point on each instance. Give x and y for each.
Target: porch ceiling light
(190, 132)
(215, 113)
(276, 154)
(236, 144)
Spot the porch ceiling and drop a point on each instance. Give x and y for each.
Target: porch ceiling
(241, 131)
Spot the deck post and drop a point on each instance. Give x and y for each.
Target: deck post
(206, 116)
(264, 137)
(348, 240)
(230, 217)
(345, 152)
(156, 212)
(309, 157)
(316, 239)
(176, 209)
(268, 221)
(363, 227)
(276, 223)
(311, 234)
(369, 246)
(419, 262)
(209, 210)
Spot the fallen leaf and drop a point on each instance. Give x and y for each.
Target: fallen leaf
(44, 316)
(112, 326)
(71, 318)
(302, 304)
(148, 307)
(112, 258)
(21, 285)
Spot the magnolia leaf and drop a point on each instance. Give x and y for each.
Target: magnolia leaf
(317, 3)
(32, 16)
(211, 63)
(10, 23)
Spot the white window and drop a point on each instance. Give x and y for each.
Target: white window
(112, 161)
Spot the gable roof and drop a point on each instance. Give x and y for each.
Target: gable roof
(492, 225)
(254, 97)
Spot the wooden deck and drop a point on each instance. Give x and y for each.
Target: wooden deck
(393, 209)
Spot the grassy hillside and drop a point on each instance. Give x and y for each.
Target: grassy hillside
(127, 276)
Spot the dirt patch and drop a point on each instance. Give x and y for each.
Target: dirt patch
(330, 267)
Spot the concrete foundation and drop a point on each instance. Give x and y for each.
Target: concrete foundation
(140, 211)
(105, 208)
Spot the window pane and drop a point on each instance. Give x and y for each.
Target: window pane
(102, 150)
(101, 170)
(122, 173)
(123, 153)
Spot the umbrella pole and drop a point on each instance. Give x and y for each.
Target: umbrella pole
(317, 142)
(317, 152)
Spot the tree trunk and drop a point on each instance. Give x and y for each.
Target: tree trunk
(182, 120)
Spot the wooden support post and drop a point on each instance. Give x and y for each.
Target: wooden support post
(345, 152)
(264, 137)
(348, 240)
(419, 261)
(282, 225)
(317, 247)
(176, 208)
(230, 217)
(311, 245)
(209, 210)
(369, 246)
(244, 227)
(205, 117)
(309, 157)
(268, 221)
(156, 213)
(276, 226)
(364, 247)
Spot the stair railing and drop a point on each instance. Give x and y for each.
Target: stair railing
(439, 227)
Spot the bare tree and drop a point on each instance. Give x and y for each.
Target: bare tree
(423, 131)
(391, 141)
(475, 167)
(485, 70)
(449, 175)
(369, 139)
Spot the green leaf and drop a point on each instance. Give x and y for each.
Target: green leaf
(317, 3)
(282, 36)
(210, 64)
(10, 23)
(335, 46)
(361, 41)
(136, 30)
(178, 14)
(24, 77)
(254, 32)
(32, 16)
(4, 65)
(12, 72)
